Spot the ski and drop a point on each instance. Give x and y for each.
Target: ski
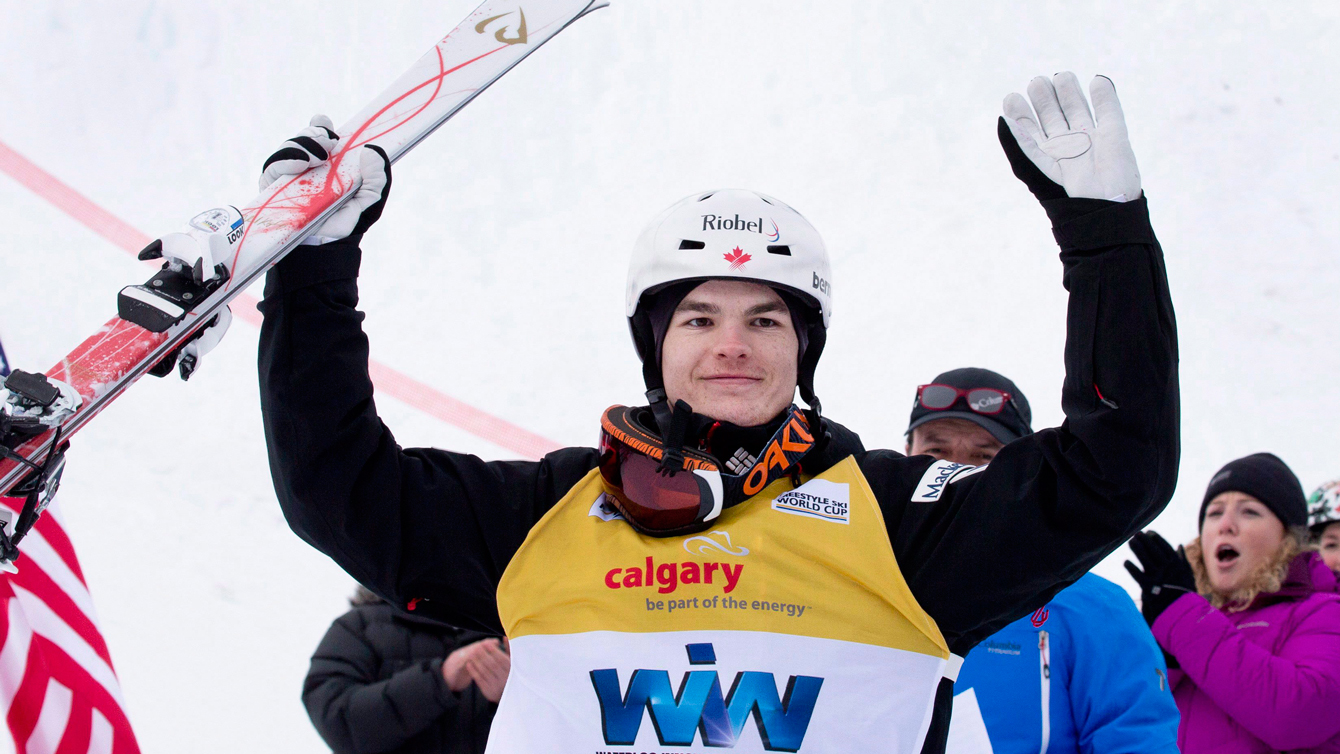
(40, 412)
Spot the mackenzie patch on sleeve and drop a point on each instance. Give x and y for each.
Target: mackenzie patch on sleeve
(940, 474)
(817, 498)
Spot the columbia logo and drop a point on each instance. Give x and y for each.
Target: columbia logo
(737, 463)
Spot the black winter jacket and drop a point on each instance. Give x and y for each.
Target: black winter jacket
(376, 685)
(439, 528)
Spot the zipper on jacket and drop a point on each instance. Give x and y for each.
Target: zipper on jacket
(1044, 657)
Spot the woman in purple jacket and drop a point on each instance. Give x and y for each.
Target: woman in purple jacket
(1248, 618)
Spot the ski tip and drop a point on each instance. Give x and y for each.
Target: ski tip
(594, 6)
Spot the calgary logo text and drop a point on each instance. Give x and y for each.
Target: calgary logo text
(699, 707)
(667, 577)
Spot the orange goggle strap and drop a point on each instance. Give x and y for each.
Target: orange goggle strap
(617, 422)
(779, 457)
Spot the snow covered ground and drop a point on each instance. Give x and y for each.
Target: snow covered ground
(496, 274)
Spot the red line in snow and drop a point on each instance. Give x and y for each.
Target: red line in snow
(400, 386)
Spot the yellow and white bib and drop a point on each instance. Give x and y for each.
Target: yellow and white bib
(786, 627)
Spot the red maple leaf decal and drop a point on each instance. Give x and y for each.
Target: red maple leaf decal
(737, 258)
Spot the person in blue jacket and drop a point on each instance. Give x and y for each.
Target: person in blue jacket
(1082, 673)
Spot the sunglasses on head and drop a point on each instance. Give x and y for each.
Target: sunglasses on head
(982, 400)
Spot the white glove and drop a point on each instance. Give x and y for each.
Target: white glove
(1089, 160)
(313, 146)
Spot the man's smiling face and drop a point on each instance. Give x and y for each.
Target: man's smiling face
(731, 352)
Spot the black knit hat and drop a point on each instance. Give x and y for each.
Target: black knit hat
(1266, 478)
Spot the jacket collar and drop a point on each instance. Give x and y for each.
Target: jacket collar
(1307, 575)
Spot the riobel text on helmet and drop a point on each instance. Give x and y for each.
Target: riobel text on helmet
(717, 222)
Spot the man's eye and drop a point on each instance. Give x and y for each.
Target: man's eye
(765, 322)
(699, 322)
(1213, 514)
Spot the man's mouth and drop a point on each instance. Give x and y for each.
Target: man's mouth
(1226, 554)
(732, 379)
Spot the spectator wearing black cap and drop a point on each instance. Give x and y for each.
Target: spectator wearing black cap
(1082, 673)
(966, 416)
(1248, 616)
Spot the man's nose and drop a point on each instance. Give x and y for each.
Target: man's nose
(732, 343)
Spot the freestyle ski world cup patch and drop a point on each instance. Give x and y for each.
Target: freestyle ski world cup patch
(817, 498)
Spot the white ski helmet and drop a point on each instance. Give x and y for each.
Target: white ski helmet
(1323, 507)
(731, 234)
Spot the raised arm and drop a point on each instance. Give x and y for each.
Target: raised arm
(418, 526)
(991, 546)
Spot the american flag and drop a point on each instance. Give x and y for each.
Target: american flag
(57, 686)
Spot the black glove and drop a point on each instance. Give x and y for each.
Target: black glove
(1166, 577)
(1167, 574)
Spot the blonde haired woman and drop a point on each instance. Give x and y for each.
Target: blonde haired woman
(1248, 618)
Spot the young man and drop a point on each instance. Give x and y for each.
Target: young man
(727, 570)
(1082, 673)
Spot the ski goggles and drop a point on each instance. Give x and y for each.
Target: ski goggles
(682, 495)
(987, 401)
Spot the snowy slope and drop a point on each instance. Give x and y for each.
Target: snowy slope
(496, 274)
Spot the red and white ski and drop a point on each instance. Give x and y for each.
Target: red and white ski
(41, 412)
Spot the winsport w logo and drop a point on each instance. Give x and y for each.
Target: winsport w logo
(703, 544)
(699, 707)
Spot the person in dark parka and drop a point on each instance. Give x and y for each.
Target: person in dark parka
(377, 683)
